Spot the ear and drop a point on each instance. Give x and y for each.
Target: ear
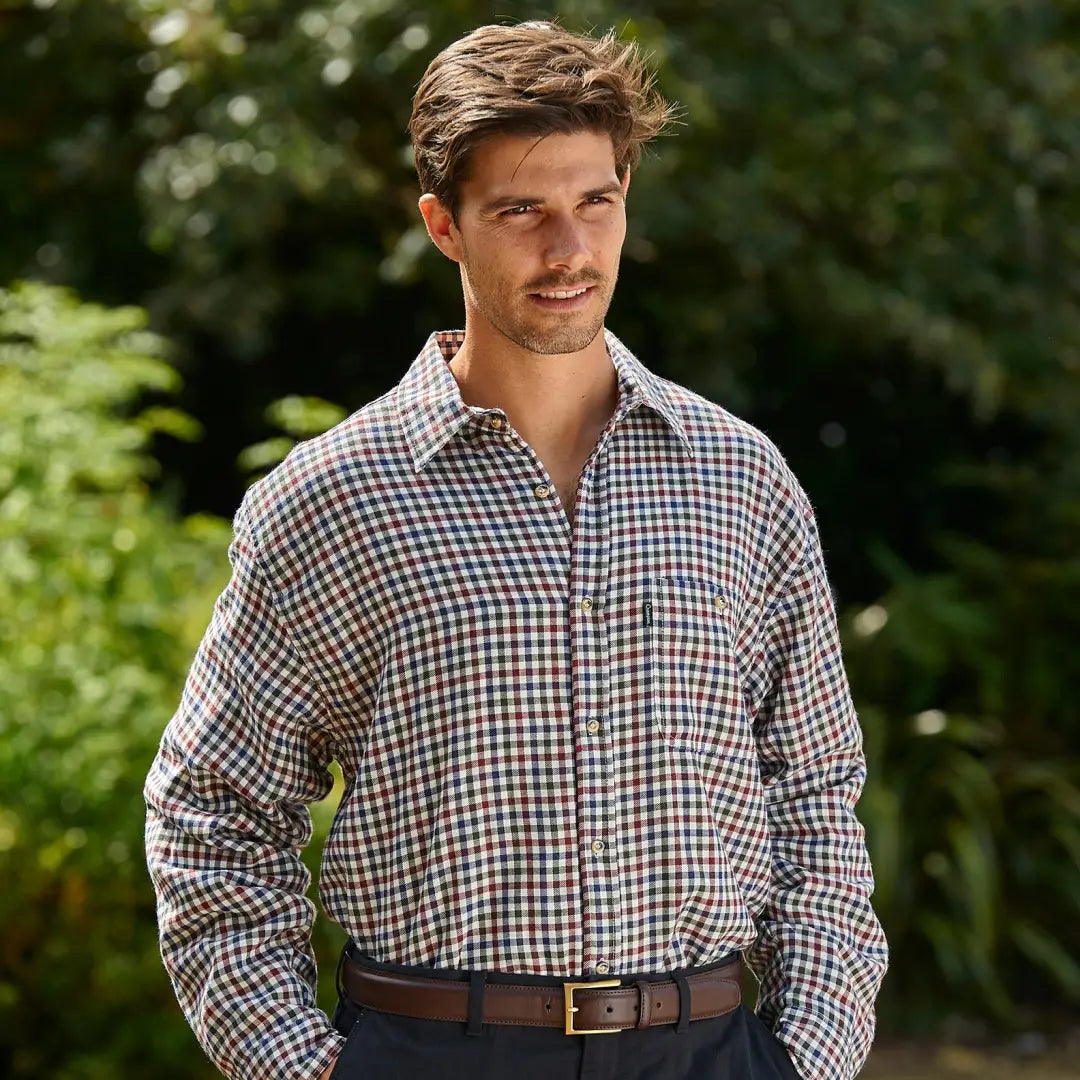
(440, 226)
(626, 182)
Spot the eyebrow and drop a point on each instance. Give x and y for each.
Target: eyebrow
(534, 200)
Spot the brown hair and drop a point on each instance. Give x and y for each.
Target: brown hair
(534, 78)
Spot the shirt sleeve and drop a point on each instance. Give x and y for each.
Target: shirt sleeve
(227, 817)
(820, 954)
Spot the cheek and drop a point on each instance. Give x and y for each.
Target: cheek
(489, 271)
(507, 259)
(607, 240)
(618, 234)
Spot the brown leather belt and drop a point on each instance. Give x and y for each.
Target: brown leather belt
(579, 1008)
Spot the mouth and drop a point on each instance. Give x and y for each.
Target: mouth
(563, 294)
(563, 299)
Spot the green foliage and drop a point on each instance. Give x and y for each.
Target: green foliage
(973, 803)
(301, 418)
(103, 595)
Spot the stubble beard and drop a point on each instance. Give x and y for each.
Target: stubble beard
(556, 342)
(526, 333)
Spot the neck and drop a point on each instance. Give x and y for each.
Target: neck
(558, 404)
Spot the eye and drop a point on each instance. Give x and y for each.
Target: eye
(516, 211)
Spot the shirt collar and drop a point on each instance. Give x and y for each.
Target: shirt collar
(639, 386)
(431, 411)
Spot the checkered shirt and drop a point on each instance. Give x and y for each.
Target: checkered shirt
(621, 745)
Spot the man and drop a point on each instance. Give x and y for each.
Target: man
(566, 627)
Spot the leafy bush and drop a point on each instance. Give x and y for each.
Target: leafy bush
(972, 812)
(103, 595)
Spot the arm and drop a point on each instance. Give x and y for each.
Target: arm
(227, 817)
(820, 954)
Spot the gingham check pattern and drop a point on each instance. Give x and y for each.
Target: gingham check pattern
(627, 743)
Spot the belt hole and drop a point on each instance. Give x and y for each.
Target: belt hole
(609, 1008)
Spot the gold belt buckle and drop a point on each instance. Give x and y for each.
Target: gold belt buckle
(571, 1008)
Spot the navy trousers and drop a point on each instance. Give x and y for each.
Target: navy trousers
(382, 1046)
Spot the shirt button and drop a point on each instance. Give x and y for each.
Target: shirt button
(496, 423)
(598, 846)
(602, 967)
(592, 727)
(720, 603)
(586, 604)
(541, 491)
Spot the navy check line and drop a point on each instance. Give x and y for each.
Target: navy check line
(650, 780)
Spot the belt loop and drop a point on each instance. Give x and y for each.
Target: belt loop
(684, 1001)
(476, 1003)
(645, 1006)
(338, 985)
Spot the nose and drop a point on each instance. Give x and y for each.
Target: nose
(566, 247)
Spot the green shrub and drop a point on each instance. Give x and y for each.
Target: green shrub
(972, 813)
(104, 593)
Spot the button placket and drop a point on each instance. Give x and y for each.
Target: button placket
(597, 813)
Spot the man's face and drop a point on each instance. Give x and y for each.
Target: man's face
(539, 231)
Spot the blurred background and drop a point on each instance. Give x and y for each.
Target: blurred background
(864, 238)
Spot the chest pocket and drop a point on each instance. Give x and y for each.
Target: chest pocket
(696, 698)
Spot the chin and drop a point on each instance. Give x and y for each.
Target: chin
(558, 344)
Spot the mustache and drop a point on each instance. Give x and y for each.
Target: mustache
(553, 282)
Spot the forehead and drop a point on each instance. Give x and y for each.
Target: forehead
(539, 164)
